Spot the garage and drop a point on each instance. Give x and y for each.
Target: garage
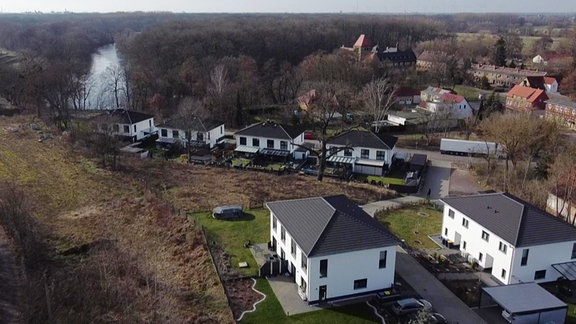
(369, 167)
(523, 303)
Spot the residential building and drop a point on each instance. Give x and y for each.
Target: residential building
(126, 123)
(561, 109)
(407, 96)
(526, 99)
(509, 238)
(269, 138)
(200, 132)
(441, 101)
(391, 56)
(334, 249)
(428, 59)
(501, 76)
(548, 84)
(364, 151)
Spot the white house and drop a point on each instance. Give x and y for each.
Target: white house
(441, 101)
(132, 124)
(269, 138)
(514, 240)
(367, 152)
(202, 132)
(333, 248)
(550, 84)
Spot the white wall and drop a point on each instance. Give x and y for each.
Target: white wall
(138, 129)
(357, 152)
(211, 137)
(263, 142)
(540, 257)
(343, 268)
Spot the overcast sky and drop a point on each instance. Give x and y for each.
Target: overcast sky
(293, 6)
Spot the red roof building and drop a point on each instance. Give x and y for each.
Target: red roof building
(526, 99)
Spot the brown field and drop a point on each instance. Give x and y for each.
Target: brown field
(119, 252)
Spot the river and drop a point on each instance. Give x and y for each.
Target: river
(104, 71)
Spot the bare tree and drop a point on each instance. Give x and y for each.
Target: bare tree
(115, 84)
(190, 114)
(562, 181)
(379, 96)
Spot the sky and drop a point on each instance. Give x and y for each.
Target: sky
(293, 6)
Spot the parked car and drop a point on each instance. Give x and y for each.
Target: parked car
(410, 305)
(437, 318)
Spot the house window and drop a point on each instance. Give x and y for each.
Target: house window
(175, 134)
(284, 145)
(274, 221)
(480, 256)
(304, 261)
(242, 140)
(540, 274)
(323, 268)
(126, 129)
(116, 128)
(574, 251)
(348, 152)
(164, 132)
(446, 231)
(503, 275)
(524, 260)
(463, 245)
(360, 283)
(380, 155)
(465, 222)
(134, 128)
(382, 261)
(485, 236)
(256, 142)
(270, 144)
(293, 248)
(502, 247)
(450, 213)
(200, 136)
(221, 129)
(282, 254)
(365, 154)
(282, 233)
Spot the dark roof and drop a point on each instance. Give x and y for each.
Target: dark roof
(406, 91)
(330, 225)
(271, 130)
(357, 138)
(128, 116)
(534, 298)
(398, 56)
(536, 82)
(193, 123)
(513, 219)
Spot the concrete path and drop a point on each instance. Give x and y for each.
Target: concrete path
(373, 207)
(431, 289)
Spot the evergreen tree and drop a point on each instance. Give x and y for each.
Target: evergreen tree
(500, 52)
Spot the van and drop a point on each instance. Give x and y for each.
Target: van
(227, 212)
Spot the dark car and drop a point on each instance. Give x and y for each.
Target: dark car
(410, 305)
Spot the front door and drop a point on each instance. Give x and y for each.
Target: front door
(322, 294)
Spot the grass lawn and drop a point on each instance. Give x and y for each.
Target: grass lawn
(413, 224)
(270, 311)
(385, 180)
(231, 235)
(242, 162)
(571, 315)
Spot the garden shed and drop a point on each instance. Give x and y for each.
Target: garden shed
(524, 303)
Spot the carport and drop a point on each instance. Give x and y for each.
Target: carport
(524, 303)
(566, 269)
(369, 167)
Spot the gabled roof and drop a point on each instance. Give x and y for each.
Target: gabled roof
(358, 138)
(192, 123)
(129, 117)
(430, 56)
(529, 94)
(512, 219)
(330, 225)
(271, 130)
(362, 42)
(549, 80)
(395, 55)
(452, 98)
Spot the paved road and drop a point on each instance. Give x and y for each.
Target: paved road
(9, 312)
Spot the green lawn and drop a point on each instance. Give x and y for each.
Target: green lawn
(231, 235)
(270, 311)
(240, 161)
(413, 224)
(385, 180)
(571, 316)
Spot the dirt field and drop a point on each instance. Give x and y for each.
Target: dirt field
(120, 250)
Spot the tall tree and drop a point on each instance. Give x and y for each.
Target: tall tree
(499, 54)
(378, 96)
(562, 180)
